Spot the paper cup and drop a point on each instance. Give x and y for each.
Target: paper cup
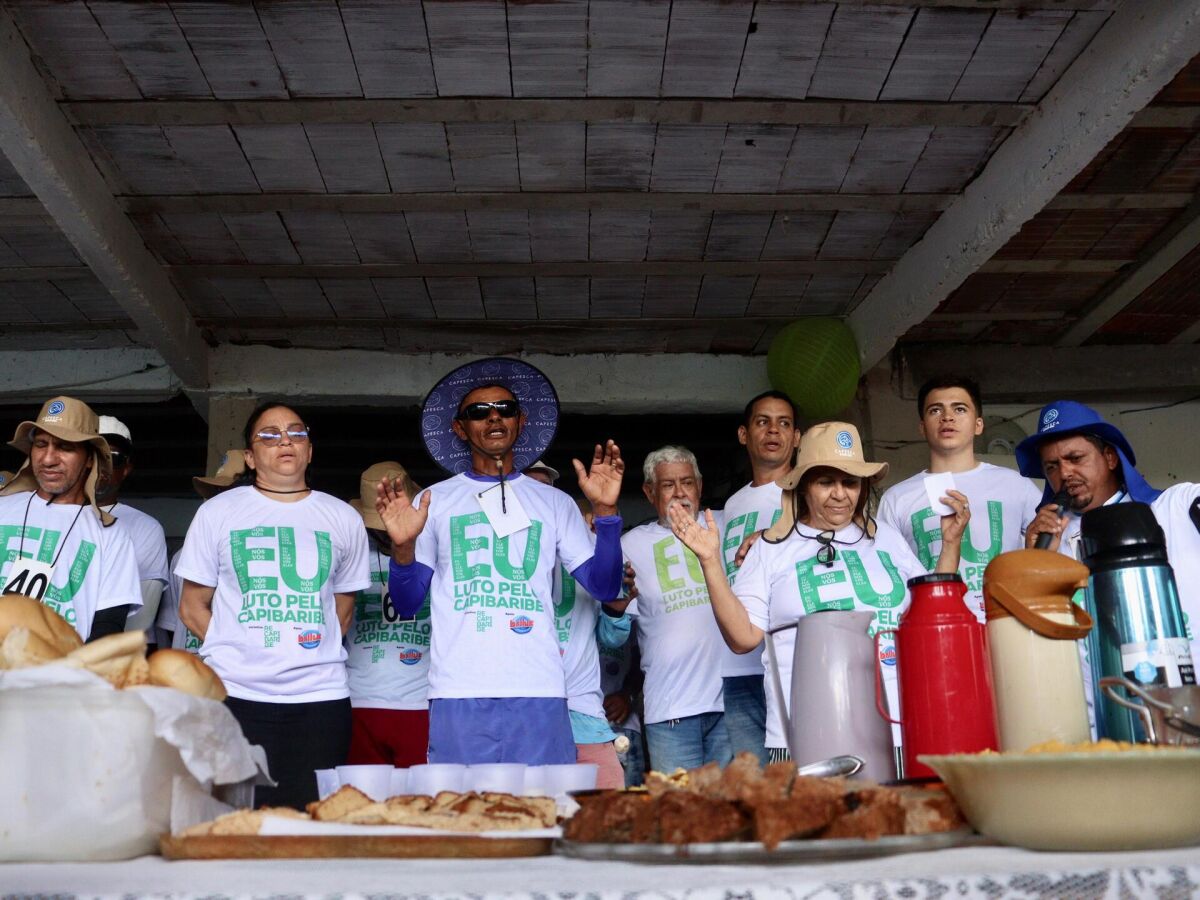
(374, 781)
(505, 778)
(399, 783)
(327, 782)
(563, 779)
(432, 778)
(535, 782)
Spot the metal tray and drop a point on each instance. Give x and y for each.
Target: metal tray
(755, 852)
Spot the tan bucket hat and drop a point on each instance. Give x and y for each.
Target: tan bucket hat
(231, 467)
(67, 419)
(834, 445)
(368, 484)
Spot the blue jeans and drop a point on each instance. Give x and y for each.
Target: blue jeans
(746, 715)
(633, 760)
(688, 743)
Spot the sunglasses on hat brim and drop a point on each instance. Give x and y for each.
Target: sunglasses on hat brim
(476, 412)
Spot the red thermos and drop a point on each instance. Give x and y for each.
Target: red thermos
(945, 677)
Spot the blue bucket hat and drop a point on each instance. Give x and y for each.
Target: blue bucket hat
(528, 384)
(1066, 417)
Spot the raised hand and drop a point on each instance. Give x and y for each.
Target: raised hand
(953, 526)
(401, 518)
(704, 542)
(601, 484)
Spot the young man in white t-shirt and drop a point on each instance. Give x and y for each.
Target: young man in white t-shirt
(770, 435)
(147, 536)
(682, 650)
(1003, 503)
(486, 545)
(56, 544)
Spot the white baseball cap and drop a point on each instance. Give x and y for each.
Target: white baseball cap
(113, 425)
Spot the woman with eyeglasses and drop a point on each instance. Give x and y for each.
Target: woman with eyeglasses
(825, 552)
(270, 570)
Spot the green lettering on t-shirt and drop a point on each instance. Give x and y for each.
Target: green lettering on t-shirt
(665, 558)
(242, 556)
(861, 581)
(809, 582)
(287, 561)
(566, 601)
(735, 535)
(461, 545)
(925, 537)
(57, 597)
(47, 543)
(533, 546)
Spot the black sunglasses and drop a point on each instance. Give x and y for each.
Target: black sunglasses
(828, 553)
(476, 412)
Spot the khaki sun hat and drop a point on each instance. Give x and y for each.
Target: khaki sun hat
(67, 419)
(368, 484)
(834, 445)
(232, 465)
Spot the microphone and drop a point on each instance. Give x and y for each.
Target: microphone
(1062, 499)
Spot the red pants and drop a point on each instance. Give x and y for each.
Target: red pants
(610, 775)
(389, 737)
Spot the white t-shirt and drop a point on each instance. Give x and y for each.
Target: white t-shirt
(1172, 509)
(148, 539)
(751, 509)
(615, 663)
(491, 597)
(274, 635)
(1003, 503)
(94, 566)
(576, 614)
(387, 657)
(683, 652)
(168, 621)
(779, 583)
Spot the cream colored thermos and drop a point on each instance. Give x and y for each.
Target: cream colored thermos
(1033, 628)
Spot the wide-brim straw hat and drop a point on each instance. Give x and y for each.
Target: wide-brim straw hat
(232, 467)
(529, 385)
(368, 484)
(71, 420)
(832, 445)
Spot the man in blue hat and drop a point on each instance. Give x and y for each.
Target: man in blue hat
(485, 543)
(1076, 451)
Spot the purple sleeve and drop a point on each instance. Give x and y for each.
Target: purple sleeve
(601, 575)
(408, 586)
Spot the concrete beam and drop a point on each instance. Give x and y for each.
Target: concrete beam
(33, 376)
(607, 200)
(1137, 52)
(44, 273)
(45, 151)
(1036, 375)
(680, 268)
(1156, 260)
(1188, 335)
(596, 383)
(575, 109)
(226, 419)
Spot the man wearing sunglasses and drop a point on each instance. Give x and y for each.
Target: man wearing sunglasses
(147, 536)
(486, 544)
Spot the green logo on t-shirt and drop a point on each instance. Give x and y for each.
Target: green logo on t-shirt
(677, 593)
(812, 575)
(61, 599)
(974, 560)
(500, 585)
(737, 530)
(565, 605)
(263, 600)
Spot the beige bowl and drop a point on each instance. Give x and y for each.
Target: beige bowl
(1133, 800)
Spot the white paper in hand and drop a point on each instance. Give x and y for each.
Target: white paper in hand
(504, 512)
(937, 486)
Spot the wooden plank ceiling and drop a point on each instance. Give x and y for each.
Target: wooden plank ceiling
(683, 176)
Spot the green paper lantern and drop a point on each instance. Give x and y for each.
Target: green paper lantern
(815, 362)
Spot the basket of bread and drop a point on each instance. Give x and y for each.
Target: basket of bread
(96, 737)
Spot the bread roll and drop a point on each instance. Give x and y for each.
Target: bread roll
(22, 648)
(117, 658)
(19, 611)
(185, 672)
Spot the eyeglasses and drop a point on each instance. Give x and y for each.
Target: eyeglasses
(828, 553)
(479, 411)
(273, 437)
(118, 457)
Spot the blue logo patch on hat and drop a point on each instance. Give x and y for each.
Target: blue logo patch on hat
(309, 640)
(56, 408)
(844, 440)
(1050, 419)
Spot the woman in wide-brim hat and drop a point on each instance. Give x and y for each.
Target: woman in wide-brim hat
(825, 552)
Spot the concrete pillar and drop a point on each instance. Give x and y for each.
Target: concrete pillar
(226, 419)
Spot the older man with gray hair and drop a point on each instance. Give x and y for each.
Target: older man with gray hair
(681, 647)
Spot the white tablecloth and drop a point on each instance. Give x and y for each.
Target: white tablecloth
(963, 872)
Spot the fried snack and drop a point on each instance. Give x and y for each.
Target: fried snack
(340, 803)
(607, 817)
(929, 810)
(371, 814)
(241, 821)
(681, 817)
(872, 813)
